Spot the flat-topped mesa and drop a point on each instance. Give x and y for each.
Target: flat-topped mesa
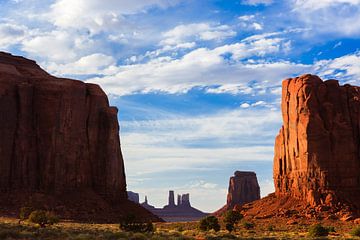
(243, 188)
(317, 154)
(57, 135)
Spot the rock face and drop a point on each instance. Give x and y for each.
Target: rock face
(243, 188)
(317, 151)
(59, 137)
(134, 197)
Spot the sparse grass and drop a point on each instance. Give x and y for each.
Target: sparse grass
(11, 229)
(355, 232)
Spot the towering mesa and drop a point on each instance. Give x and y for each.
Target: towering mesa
(317, 151)
(57, 135)
(59, 146)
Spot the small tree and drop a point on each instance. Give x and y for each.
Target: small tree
(231, 218)
(318, 230)
(248, 225)
(43, 218)
(25, 212)
(208, 223)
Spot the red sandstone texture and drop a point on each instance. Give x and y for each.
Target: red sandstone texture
(243, 188)
(59, 137)
(317, 152)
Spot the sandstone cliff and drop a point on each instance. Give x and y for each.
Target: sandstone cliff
(317, 152)
(58, 136)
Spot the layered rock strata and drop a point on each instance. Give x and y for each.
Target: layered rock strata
(317, 151)
(59, 140)
(243, 188)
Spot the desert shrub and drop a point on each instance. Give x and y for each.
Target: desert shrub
(131, 224)
(230, 227)
(8, 234)
(318, 230)
(25, 212)
(231, 218)
(138, 236)
(271, 228)
(43, 218)
(355, 232)
(208, 223)
(248, 225)
(84, 236)
(331, 229)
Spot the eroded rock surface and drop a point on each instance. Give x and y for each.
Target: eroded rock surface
(317, 154)
(243, 188)
(59, 137)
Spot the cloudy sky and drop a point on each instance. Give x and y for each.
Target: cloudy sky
(197, 82)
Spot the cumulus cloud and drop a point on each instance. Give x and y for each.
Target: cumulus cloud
(202, 144)
(196, 31)
(204, 67)
(345, 68)
(96, 63)
(11, 34)
(97, 15)
(339, 17)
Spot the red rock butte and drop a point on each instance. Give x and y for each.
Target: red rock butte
(59, 137)
(317, 151)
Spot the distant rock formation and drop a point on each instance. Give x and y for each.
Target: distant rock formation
(317, 152)
(134, 197)
(243, 188)
(59, 137)
(183, 211)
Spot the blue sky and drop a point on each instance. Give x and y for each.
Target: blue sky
(197, 83)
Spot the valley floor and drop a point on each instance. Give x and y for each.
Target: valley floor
(263, 229)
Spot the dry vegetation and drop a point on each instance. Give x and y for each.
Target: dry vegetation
(263, 229)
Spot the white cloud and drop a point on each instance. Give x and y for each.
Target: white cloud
(54, 46)
(97, 15)
(313, 5)
(257, 2)
(196, 31)
(11, 34)
(96, 63)
(229, 139)
(345, 68)
(339, 17)
(204, 67)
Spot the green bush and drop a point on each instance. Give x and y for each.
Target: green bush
(208, 223)
(248, 225)
(271, 228)
(131, 224)
(231, 218)
(25, 212)
(356, 232)
(318, 230)
(43, 218)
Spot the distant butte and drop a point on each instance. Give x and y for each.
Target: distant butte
(243, 188)
(180, 212)
(59, 145)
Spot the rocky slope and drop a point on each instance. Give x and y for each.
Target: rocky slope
(59, 138)
(317, 154)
